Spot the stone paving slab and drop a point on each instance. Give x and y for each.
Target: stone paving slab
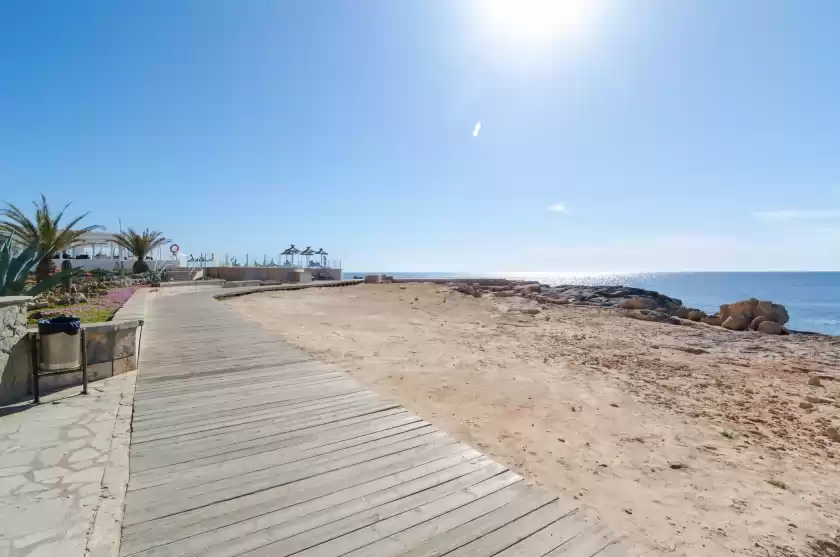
(64, 471)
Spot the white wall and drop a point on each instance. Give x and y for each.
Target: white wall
(109, 264)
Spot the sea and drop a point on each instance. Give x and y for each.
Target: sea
(811, 298)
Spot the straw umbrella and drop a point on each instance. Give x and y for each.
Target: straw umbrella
(308, 252)
(323, 255)
(293, 251)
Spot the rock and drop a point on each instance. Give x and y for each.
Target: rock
(696, 315)
(819, 399)
(465, 289)
(770, 328)
(533, 287)
(638, 303)
(649, 315)
(682, 312)
(505, 294)
(736, 322)
(756, 322)
(773, 312)
(713, 320)
(833, 434)
(806, 405)
(744, 306)
(65, 301)
(658, 310)
(725, 312)
(815, 381)
(530, 311)
(81, 298)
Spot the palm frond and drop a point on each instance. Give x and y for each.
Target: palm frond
(140, 244)
(44, 229)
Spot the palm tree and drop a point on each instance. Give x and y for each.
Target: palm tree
(44, 231)
(140, 245)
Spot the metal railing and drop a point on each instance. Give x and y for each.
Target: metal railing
(266, 260)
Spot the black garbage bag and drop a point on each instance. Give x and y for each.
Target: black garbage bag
(67, 324)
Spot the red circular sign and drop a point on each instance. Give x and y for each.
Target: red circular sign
(174, 248)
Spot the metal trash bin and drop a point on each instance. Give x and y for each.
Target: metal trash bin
(60, 343)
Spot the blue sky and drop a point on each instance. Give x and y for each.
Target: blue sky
(690, 135)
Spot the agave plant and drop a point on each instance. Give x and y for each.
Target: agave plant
(14, 270)
(158, 274)
(45, 232)
(140, 245)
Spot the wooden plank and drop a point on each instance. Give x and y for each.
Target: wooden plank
(529, 501)
(341, 485)
(221, 444)
(296, 409)
(283, 473)
(237, 487)
(236, 408)
(403, 540)
(343, 535)
(242, 536)
(281, 423)
(277, 460)
(514, 532)
(305, 441)
(549, 538)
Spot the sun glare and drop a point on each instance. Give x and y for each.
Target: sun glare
(536, 21)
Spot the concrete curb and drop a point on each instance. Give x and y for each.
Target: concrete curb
(104, 536)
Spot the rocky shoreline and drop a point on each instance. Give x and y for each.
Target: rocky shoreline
(637, 303)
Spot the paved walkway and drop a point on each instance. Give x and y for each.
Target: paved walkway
(243, 445)
(63, 468)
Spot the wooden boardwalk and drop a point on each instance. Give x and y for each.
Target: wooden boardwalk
(244, 445)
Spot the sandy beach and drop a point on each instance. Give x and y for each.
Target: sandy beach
(688, 440)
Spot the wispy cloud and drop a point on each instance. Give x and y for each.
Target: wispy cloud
(557, 208)
(477, 128)
(791, 215)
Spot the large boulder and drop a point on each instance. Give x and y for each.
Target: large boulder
(682, 312)
(744, 306)
(713, 320)
(653, 316)
(737, 322)
(524, 288)
(773, 312)
(696, 315)
(757, 321)
(638, 303)
(770, 328)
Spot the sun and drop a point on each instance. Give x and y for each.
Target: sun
(535, 21)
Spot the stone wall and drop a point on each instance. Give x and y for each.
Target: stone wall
(272, 274)
(111, 350)
(15, 366)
